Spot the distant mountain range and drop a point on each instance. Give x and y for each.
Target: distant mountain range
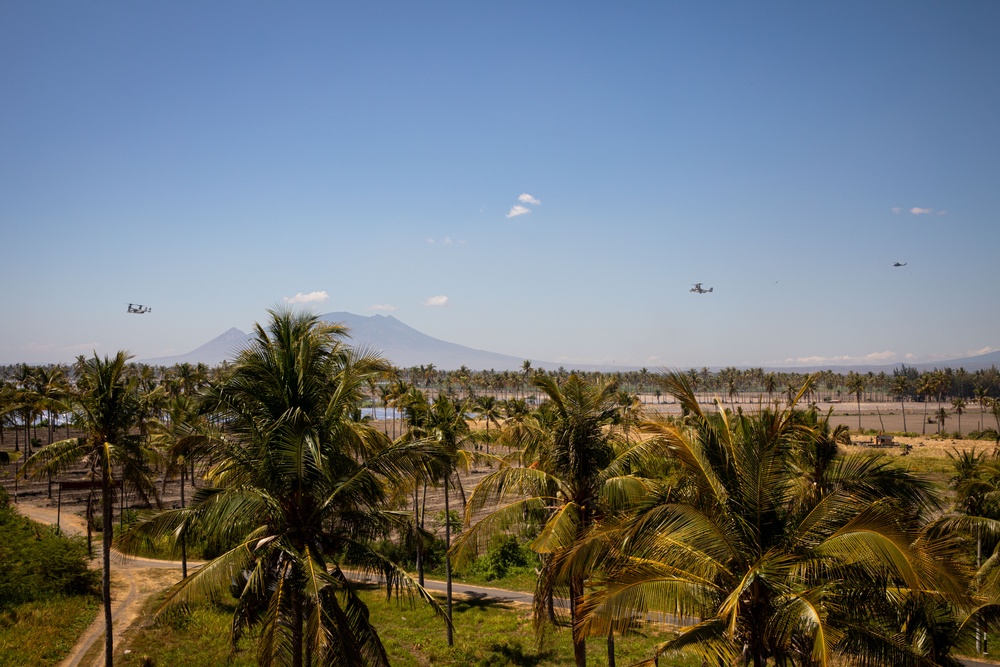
(404, 346)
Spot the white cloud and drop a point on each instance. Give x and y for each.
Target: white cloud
(897, 210)
(909, 356)
(525, 198)
(916, 210)
(437, 301)
(382, 306)
(881, 356)
(447, 240)
(982, 350)
(517, 210)
(311, 297)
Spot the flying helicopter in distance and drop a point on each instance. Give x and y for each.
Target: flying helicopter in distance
(698, 289)
(138, 309)
(896, 264)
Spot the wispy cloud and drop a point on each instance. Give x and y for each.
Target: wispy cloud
(517, 210)
(382, 306)
(440, 300)
(311, 297)
(447, 240)
(525, 198)
(918, 210)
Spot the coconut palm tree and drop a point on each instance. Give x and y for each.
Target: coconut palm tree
(764, 572)
(298, 485)
(107, 407)
(567, 472)
(900, 387)
(958, 405)
(446, 426)
(490, 410)
(856, 384)
(182, 436)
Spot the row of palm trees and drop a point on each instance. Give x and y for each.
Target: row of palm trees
(742, 384)
(750, 527)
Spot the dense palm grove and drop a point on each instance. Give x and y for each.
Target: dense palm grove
(747, 525)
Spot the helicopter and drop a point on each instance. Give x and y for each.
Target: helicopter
(698, 289)
(138, 309)
(898, 264)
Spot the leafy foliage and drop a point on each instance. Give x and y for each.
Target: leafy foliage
(38, 563)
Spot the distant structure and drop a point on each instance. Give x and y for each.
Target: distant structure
(138, 309)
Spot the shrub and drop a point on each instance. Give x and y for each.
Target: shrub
(38, 562)
(504, 554)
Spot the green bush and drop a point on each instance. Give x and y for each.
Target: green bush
(504, 554)
(38, 562)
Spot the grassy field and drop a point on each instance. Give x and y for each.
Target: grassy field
(42, 633)
(486, 634)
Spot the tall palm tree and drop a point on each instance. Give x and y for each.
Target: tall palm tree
(446, 426)
(297, 485)
(570, 473)
(107, 407)
(490, 410)
(856, 384)
(900, 387)
(768, 574)
(958, 405)
(182, 436)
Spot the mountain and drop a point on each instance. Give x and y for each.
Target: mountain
(221, 348)
(403, 345)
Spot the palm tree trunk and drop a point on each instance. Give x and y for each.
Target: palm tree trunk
(106, 538)
(611, 648)
(579, 643)
(296, 623)
(184, 560)
(417, 536)
(447, 557)
(902, 409)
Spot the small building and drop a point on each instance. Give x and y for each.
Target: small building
(882, 440)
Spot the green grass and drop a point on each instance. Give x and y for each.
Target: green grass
(486, 634)
(42, 633)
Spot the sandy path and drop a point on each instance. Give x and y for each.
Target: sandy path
(133, 582)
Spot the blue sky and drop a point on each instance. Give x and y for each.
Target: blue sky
(213, 160)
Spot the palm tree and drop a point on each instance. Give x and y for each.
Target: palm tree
(182, 436)
(107, 407)
(856, 385)
(570, 475)
(900, 387)
(941, 415)
(445, 425)
(490, 410)
(297, 485)
(769, 574)
(958, 404)
(926, 389)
